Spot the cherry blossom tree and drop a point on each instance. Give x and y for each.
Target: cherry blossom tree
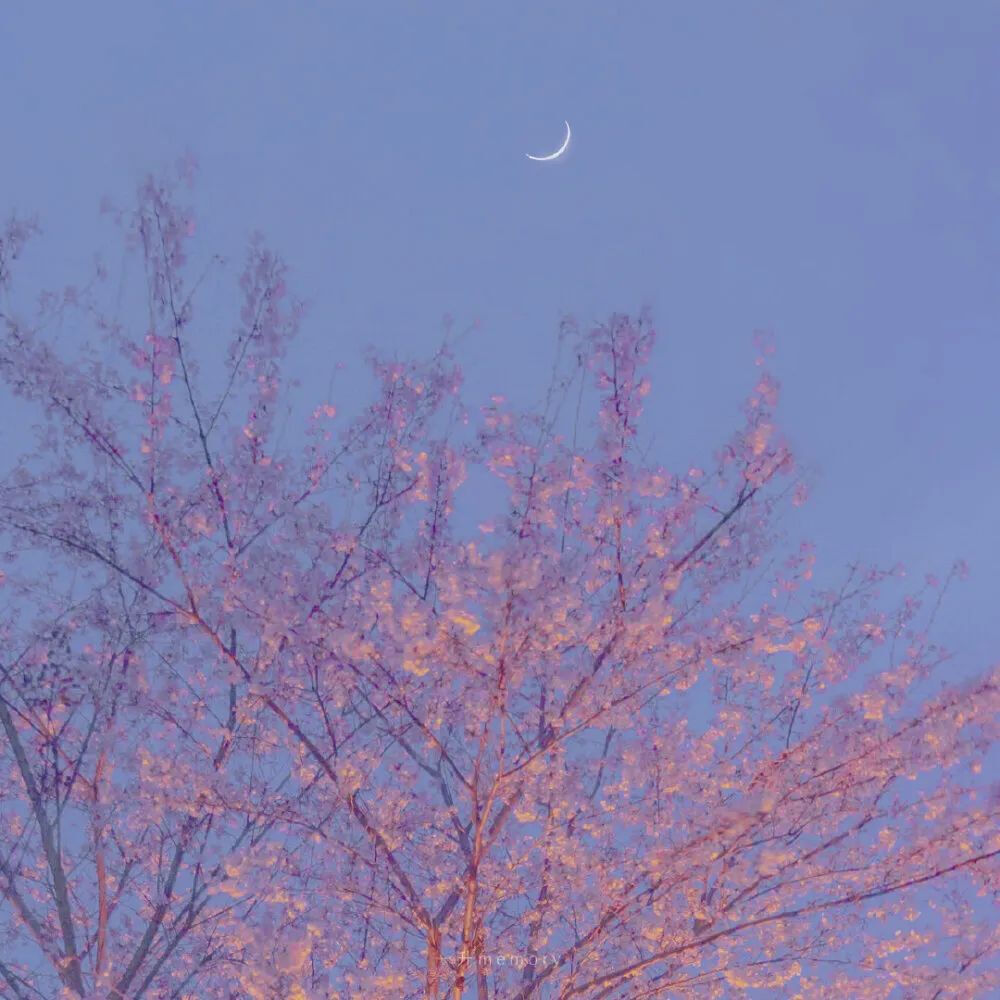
(300, 719)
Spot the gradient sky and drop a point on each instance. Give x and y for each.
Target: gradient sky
(829, 171)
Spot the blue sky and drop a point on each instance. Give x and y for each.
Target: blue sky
(826, 171)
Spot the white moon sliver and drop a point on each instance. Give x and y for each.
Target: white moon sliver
(559, 152)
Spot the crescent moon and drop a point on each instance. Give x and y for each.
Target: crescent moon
(559, 152)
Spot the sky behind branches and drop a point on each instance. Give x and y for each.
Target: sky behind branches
(825, 171)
